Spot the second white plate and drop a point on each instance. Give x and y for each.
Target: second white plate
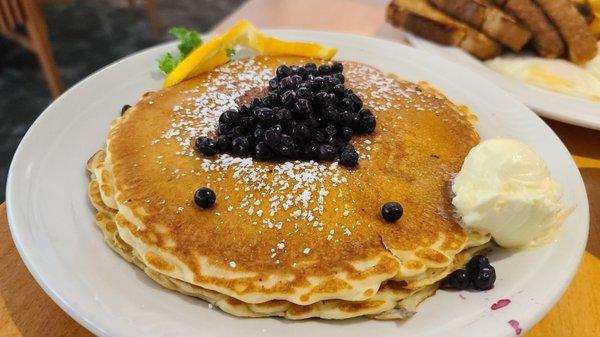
(546, 103)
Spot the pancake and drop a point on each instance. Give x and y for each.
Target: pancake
(299, 232)
(392, 301)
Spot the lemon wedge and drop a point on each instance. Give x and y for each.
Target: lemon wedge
(213, 53)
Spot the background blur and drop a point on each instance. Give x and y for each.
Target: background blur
(85, 35)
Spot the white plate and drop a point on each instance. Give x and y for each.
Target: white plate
(52, 222)
(546, 103)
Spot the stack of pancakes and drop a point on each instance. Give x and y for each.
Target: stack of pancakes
(293, 239)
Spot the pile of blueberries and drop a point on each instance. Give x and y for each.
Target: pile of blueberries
(307, 114)
(479, 275)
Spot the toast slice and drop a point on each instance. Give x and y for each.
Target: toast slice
(546, 37)
(420, 18)
(489, 19)
(578, 36)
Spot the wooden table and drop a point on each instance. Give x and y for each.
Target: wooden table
(25, 310)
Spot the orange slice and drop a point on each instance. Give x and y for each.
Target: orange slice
(271, 46)
(213, 53)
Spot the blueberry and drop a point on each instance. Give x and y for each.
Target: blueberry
(259, 133)
(339, 90)
(245, 110)
(125, 108)
(346, 133)
(283, 71)
(262, 151)
(347, 104)
(347, 147)
(367, 124)
(330, 100)
(391, 211)
(223, 129)
(333, 81)
(241, 146)
(319, 137)
(302, 107)
(265, 115)
(320, 98)
(484, 278)
(330, 130)
(345, 118)
(205, 197)
(296, 80)
(477, 262)
(327, 152)
(340, 77)
(364, 112)
(324, 69)
(271, 100)
(355, 121)
(303, 92)
(331, 114)
(286, 146)
(336, 141)
(223, 143)
(349, 158)
(289, 126)
(311, 151)
(273, 84)
(284, 117)
(303, 72)
(311, 123)
(256, 103)
(310, 66)
(277, 128)
(301, 133)
(318, 84)
(458, 279)
(206, 146)
(286, 83)
(238, 131)
(289, 97)
(337, 67)
(272, 138)
(248, 122)
(358, 103)
(308, 84)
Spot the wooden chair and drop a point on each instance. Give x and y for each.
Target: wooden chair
(23, 21)
(17, 16)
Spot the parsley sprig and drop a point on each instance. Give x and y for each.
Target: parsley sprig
(188, 41)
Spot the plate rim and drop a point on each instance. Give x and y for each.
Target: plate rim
(88, 324)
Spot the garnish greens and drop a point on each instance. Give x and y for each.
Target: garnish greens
(230, 52)
(188, 41)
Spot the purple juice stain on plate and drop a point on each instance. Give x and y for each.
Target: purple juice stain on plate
(515, 325)
(500, 304)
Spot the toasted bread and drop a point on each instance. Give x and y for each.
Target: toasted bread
(420, 18)
(573, 29)
(491, 20)
(546, 37)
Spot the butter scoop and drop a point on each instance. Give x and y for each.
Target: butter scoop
(505, 189)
